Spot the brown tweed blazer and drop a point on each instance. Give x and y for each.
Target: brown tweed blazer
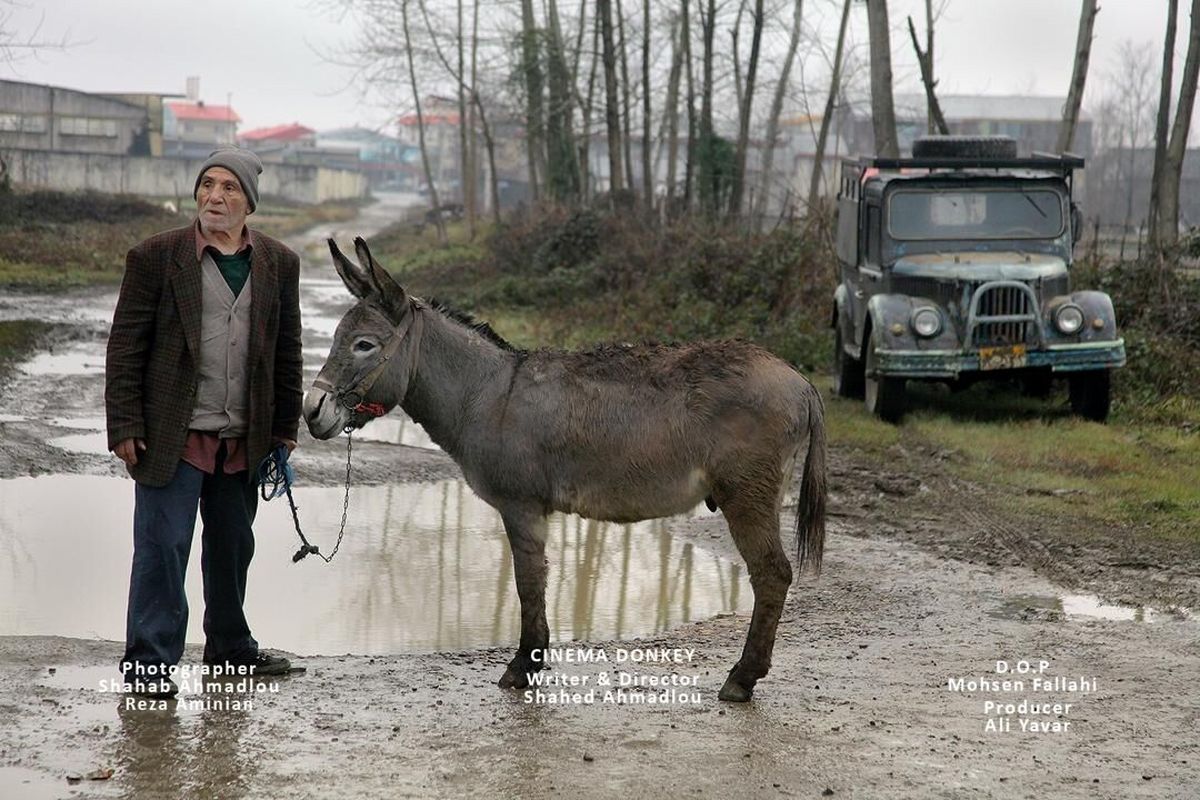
(153, 347)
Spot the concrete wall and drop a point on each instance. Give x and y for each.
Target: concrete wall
(52, 109)
(170, 177)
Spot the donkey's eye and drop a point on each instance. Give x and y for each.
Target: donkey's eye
(364, 346)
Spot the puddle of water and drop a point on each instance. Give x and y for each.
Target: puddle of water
(31, 784)
(81, 423)
(1082, 606)
(422, 567)
(94, 444)
(73, 360)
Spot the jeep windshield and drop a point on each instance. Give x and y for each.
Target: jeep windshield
(975, 213)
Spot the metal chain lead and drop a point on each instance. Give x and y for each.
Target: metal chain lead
(345, 500)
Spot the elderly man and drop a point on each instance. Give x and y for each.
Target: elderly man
(203, 379)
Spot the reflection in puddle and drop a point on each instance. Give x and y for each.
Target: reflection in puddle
(1082, 606)
(29, 784)
(422, 567)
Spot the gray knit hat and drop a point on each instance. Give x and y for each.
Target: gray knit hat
(242, 163)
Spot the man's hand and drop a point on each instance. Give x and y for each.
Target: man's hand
(291, 444)
(127, 450)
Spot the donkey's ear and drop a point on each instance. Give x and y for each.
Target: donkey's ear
(390, 293)
(355, 278)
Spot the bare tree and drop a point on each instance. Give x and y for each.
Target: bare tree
(768, 160)
(647, 174)
(612, 113)
(435, 205)
(15, 44)
(1168, 215)
(534, 112)
(562, 178)
(743, 142)
(1163, 123)
(937, 121)
(883, 108)
(626, 90)
(671, 110)
(1083, 50)
(814, 187)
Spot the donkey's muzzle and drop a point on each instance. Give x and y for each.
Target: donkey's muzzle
(322, 414)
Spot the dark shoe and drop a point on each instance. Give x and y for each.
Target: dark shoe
(153, 688)
(262, 664)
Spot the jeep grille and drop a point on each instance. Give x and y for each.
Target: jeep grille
(1002, 301)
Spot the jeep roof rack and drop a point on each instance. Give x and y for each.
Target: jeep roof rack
(1065, 161)
(853, 168)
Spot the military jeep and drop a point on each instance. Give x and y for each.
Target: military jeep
(955, 266)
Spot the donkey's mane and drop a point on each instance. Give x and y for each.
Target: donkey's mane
(466, 320)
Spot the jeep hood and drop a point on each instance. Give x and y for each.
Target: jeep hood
(976, 266)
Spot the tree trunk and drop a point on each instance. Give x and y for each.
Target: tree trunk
(534, 111)
(465, 190)
(883, 109)
(689, 170)
(768, 160)
(743, 143)
(647, 174)
(585, 150)
(474, 155)
(735, 35)
(626, 109)
(937, 122)
(612, 114)
(1168, 217)
(412, 76)
(706, 171)
(562, 179)
(672, 113)
(814, 186)
(1162, 124)
(1083, 50)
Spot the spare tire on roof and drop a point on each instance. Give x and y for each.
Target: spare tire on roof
(965, 147)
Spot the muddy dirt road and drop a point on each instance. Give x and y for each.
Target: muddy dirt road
(889, 676)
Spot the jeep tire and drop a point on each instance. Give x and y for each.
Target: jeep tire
(847, 370)
(964, 147)
(1091, 394)
(884, 395)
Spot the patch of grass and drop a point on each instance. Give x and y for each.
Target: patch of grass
(17, 340)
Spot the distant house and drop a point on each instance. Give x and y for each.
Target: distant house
(196, 128)
(439, 116)
(387, 161)
(1032, 120)
(293, 135)
(37, 117)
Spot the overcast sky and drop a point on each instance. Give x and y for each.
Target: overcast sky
(263, 54)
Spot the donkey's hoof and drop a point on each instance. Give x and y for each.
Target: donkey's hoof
(513, 678)
(734, 692)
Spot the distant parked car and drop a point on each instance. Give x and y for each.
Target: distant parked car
(955, 267)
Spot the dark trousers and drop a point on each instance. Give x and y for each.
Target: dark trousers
(163, 521)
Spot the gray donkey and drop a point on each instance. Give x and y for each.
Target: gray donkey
(619, 433)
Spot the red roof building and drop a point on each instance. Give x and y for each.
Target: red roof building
(195, 129)
(202, 111)
(294, 132)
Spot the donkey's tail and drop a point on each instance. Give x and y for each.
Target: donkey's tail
(810, 508)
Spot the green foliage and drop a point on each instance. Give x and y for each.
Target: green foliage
(1158, 312)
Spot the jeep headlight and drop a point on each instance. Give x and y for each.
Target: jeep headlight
(927, 322)
(1068, 319)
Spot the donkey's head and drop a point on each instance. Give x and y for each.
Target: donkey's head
(374, 349)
